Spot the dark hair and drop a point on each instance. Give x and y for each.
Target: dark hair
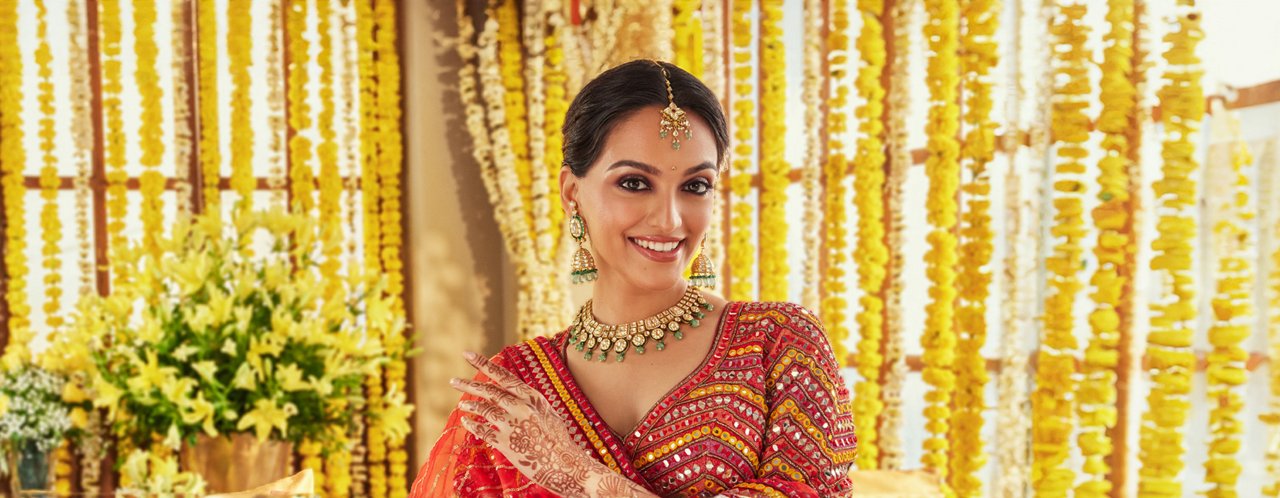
(625, 88)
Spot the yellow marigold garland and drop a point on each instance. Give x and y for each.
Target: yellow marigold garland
(239, 50)
(555, 81)
(13, 158)
(50, 225)
(301, 173)
(687, 44)
(870, 253)
(510, 55)
(1096, 397)
(390, 162)
(835, 170)
(375, 439)
(330, 179)
(1173, 314)
(942, 168)
(1052, 401)
(151, 127)
(207, 83)
(774, 169)
(899, 159)
(979, 57)
(1233, 318)
(741, 242)
(114, 132)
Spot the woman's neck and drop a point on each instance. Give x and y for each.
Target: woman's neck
(616, 302)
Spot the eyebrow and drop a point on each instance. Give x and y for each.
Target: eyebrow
(652, 170)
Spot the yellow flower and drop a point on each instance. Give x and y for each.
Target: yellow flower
(265, 416)
(290, 378)
(79, 418)
(4, 404)
(394, 415)
(71, 393)
(106, 394)
(206, 368)
(198, 411)
(244, 378)
(150, 374)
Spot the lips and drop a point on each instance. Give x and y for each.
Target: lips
(661, 251)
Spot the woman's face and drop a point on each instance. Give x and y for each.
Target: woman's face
(645, 204)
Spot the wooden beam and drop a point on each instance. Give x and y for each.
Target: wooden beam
(224, 183)
(195, 174)
(916, 364)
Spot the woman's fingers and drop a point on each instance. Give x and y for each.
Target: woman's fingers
(486, 390)
(481, 430)
(497, 373)
(485, 409)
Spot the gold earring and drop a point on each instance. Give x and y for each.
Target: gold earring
(703, 273)
(584, 266)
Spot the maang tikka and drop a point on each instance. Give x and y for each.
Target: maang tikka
(674, 121)
(584, 266)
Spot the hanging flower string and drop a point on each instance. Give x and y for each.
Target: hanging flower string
(741, 243)
(979, 57)
(774, 169)
(1173, 313)
(899, 159)
(942, 168)
(1097, 395)
(812, 169)
(207, 85)
(151, 133)
(870, 254)
(835, 170)
(1233, 313)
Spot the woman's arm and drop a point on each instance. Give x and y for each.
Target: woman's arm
(809, 443)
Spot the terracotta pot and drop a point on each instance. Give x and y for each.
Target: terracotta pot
(237, 462)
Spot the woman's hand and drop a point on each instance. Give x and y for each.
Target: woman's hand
(518, 422)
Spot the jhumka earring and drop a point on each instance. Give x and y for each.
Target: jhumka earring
(703, 273)
(674, 122)
(584, 266)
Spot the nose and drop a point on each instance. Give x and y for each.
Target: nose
(664, 216)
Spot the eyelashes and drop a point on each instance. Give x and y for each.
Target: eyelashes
(698, 186)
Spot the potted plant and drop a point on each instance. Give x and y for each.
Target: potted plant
(231, 342)
(33, 422)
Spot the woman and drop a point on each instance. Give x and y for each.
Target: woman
(658, 388)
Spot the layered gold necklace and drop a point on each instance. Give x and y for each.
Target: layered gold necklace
(598, 339)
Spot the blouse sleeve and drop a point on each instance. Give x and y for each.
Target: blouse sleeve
(809, 443)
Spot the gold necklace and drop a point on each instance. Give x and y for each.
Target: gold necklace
(591, 336)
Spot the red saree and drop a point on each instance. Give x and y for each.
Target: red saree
(767, 414)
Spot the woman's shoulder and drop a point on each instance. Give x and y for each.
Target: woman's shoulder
(784, 328)
(785, 315)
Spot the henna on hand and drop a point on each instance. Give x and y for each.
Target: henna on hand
(517, 421)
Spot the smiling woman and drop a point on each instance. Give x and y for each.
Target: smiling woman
(751, 404)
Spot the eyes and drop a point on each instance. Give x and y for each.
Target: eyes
(696, 186)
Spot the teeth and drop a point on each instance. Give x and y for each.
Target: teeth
(657, 246)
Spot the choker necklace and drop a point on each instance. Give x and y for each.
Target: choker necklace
(591, 336)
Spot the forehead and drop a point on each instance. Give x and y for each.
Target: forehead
(636, 137)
